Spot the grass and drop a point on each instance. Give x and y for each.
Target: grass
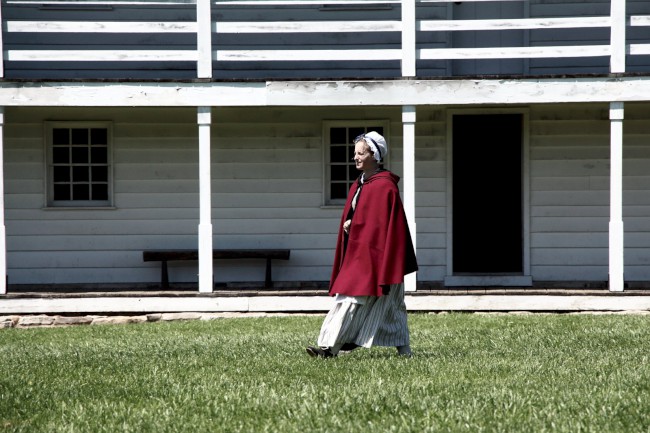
(474, 373)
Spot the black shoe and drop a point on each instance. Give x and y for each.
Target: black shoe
(320, 352)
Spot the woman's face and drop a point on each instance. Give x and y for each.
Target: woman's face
(363, 157)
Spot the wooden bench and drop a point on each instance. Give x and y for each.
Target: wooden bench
(172, 255)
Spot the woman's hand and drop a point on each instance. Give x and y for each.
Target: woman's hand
(346, 226)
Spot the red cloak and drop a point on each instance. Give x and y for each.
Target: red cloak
(378, 250)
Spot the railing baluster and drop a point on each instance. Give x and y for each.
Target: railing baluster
(617, 59)
(408, 39)
(204, 38)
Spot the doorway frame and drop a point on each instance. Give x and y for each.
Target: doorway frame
(525, 279)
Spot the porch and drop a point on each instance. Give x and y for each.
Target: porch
(618, 82)
(316, 300)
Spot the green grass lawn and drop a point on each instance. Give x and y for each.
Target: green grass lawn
(474, 373)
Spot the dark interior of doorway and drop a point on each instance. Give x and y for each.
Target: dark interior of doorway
(487, 194)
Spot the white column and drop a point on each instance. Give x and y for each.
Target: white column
(408, 124)
(616, 263)
(3, 231)
(617, 36)
(408, 38)
(204, 39)
(205, 202)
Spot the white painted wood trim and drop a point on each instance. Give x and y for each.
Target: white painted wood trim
(514, 24)
(617, 36)
(326, 93)
(306, 55)
(616, 230)
(408, 39)
(640, 20)
(100, 27)
(204, 39)
(525, 184)
(204, 120)
(514, 52)
(449, 194)
(458, 92)
(640, 49)
(3, 231)
(408, 151)
(101, 55)
(308, 27)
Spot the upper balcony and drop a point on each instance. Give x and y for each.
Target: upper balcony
(310, 39)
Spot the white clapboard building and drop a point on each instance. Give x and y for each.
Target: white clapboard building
(521, 131)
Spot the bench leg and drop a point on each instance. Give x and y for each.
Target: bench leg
(164, 276)
(268, 282)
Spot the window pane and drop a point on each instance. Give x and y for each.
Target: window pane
(354, 133)
(337, 136)
(338, 190)
(353, 173)
(79, 165)
(98, 155)
(338, 154)
(99, 174)
(350, 153)
(62, 192)
(80, 174)
(60, 136)
(81, 192)
(338, 172)
(99, 136)
(100, 191)
(61, 174)
(61, 155)
(79, 136)
(79, 155)
(378, 129)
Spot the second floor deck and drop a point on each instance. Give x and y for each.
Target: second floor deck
(314, 40)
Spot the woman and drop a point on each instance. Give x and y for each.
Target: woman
(373, 253)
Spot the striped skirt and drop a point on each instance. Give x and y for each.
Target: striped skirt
(377, 321)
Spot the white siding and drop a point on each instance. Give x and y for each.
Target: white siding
(156, 199)
(267, 192)
(570, 192)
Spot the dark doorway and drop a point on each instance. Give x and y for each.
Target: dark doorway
(487, 194)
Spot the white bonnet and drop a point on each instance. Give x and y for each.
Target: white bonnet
(377, 144)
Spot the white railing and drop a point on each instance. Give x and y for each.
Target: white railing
(408, 53)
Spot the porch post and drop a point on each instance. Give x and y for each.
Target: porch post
(616, 263)
(3, 232)
(205, 202)
(408, 124)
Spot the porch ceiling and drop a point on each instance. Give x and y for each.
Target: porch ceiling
(325, 93)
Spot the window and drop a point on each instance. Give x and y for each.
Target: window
(340, 170)
(79, 164)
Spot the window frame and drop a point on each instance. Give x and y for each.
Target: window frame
(327, 164)
(48, 129)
